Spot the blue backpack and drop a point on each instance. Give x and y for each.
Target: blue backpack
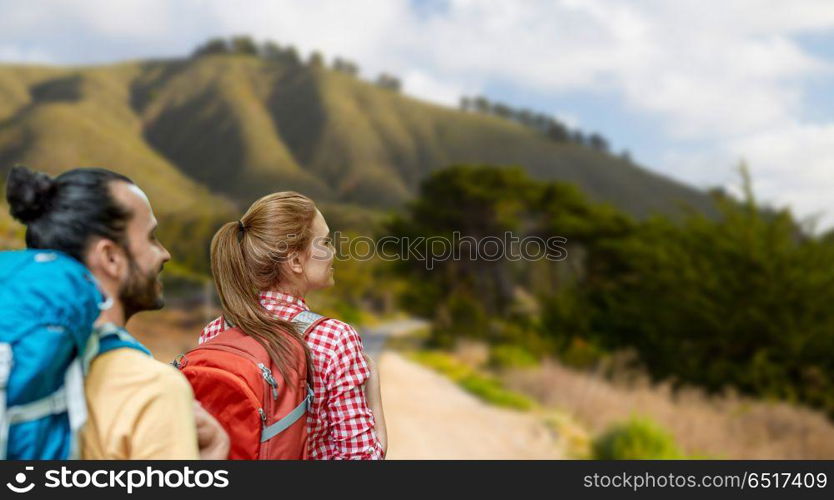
(48, 304)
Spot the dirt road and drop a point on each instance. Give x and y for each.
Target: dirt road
(430, 417)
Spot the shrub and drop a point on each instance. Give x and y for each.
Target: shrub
(582, 353)
(511, 356)
(486, 388)
(491, 391)
(636, 439)
(442, 363)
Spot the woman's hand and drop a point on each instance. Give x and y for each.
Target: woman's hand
(373, 393)
(371, 366)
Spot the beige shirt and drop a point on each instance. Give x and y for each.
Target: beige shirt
(139, 409)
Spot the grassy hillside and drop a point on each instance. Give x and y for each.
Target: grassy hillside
(207, 135)
(383, 144)
(11, 233)
(55, 120)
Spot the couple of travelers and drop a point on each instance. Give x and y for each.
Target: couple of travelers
(270, 379)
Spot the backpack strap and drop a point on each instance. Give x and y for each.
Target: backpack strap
(303, 322)
(5, 371)
(76, 404)
(67, 399)
(70, 397)
(106, 338)
(115, 337)
(292, 417)
(306, 321)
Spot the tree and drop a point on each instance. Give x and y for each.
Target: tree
(344, 66)
(389, 82)
(556, 131)
(541, 122)
(483, 203)
(741, 300)
(243, 44)
(482, 105)
(213, 46)
(271, 50)
(291, 55)
(525, 117)
(316, 60)
(598, 143)
(625, 155)
(578, 137)
(465, 104)
(502, 110)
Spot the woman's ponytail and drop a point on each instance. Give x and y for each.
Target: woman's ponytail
(236, 277)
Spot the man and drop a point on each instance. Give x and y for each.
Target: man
(138, 407)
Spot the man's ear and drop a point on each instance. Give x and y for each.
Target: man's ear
(108, 259)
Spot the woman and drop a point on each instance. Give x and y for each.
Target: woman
(267, 262)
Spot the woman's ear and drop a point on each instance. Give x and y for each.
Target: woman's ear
(295, 263)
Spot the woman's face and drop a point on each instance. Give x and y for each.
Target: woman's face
(318, 264)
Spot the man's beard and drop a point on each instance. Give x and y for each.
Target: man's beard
(140, 292)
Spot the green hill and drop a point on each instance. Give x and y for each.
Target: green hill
(254, 126)
(205, 136)
(57, 119)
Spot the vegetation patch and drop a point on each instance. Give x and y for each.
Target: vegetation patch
(639, 438)
(511, 356)
(484, 387)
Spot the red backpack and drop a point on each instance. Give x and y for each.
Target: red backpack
(234, 379)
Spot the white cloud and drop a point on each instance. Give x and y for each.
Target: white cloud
(571, 120)
(707, 69)
(12, 53)
(424, 86)
(794, 166)
(706, 78)
(125, 18)
(702, 167)
(727, 75)
(791, 165)
(362, 30)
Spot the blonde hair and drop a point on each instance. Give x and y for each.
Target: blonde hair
(247, 257)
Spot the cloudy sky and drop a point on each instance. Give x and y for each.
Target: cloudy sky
(689, 87)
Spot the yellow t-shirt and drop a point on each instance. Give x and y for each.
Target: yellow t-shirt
(138, 409)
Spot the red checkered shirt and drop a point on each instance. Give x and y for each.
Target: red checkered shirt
(340, 425)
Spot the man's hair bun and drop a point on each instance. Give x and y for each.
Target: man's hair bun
(29, 193)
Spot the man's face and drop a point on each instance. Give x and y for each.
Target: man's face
(141, 290)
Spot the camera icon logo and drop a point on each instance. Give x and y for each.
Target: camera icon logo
(20, 478)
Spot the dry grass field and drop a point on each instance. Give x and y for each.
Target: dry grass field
(725, 426)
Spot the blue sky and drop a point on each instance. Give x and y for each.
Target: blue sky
(688, 87)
